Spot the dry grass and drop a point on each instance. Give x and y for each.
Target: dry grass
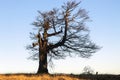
(37, 77)
(58, 77)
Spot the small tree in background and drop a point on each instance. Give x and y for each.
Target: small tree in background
(60, 33)
(88, 70)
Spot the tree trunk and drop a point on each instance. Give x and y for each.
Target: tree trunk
(42, 52)
(42, 63)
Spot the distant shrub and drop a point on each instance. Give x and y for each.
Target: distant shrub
(88, 70)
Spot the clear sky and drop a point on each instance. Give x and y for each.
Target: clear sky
(16, 17)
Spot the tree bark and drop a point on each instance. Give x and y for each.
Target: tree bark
(42, 63)
(43, 54)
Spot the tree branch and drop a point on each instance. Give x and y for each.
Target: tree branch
(52, 34)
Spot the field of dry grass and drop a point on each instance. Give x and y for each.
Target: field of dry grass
(58, 77)
(37, 77)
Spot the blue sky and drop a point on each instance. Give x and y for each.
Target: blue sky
(15, 24)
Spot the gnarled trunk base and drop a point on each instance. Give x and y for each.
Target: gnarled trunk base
(42, 63)
(42, 69)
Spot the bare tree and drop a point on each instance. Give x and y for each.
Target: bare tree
(60, 33)
(88, 70)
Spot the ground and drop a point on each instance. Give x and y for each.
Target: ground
(58, 77)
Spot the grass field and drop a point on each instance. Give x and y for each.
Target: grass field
(57, 77)
(36, 77)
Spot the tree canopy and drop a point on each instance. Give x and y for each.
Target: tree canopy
(62, 32)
